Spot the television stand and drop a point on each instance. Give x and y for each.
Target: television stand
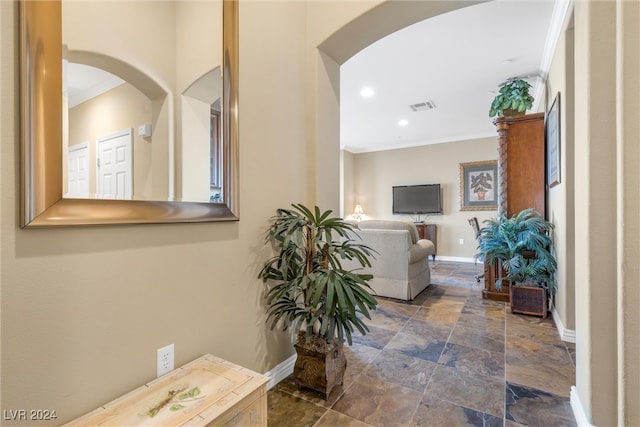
(429, 232)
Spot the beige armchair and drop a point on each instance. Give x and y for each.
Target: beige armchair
(401, 266)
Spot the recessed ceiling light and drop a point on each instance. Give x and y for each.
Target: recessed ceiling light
(507, 61)
(403, 122)
(367, 92)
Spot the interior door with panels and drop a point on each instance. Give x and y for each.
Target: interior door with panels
(115, 165)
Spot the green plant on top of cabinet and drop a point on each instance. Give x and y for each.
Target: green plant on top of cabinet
(513, 98)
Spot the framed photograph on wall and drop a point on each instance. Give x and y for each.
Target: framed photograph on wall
(479, 186)
(552, 136)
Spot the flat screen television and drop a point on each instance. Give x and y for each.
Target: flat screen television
(417, 199)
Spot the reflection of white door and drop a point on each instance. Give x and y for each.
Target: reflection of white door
(78, 170)
(115, 165)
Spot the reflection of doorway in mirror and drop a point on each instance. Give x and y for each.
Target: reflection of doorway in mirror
(99, 103)
(201, 135)
(115, 166)
(78, 171)
(169, 67)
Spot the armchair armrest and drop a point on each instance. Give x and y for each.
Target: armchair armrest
(421, 250)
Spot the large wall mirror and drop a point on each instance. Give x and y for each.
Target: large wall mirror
(129, 111)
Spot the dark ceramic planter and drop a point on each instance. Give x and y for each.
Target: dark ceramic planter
(320, 365)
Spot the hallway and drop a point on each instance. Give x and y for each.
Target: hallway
(448, 358)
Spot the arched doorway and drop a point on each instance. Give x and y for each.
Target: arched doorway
(376, 23)
(135, 99)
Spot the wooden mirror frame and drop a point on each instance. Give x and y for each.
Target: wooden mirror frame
(41, 144)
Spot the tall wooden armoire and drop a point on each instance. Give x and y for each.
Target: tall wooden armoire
(521, 171)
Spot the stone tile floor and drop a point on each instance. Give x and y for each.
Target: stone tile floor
(448, 358)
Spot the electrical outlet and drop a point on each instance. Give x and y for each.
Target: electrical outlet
(164, 360)
(462, 241)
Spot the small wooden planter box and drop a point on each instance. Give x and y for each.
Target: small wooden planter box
(528, 300)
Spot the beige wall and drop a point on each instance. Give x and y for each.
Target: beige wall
(195, 151)
(148, 27)
(560, 202)
(198, 40)
(347, 186)
(376, 172)
(607, 220)
(628, 208)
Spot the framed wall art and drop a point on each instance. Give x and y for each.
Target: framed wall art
(479, 186)
(552, 136)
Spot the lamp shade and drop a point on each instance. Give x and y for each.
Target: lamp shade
(358, 213)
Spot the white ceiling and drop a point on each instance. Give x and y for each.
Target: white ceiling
(457, 60)
(83, 82)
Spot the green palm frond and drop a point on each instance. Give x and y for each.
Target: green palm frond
(523, 244)
(308, 285)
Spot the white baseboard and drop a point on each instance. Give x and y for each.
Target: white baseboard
(280, 372)
(454, 258)
(568, 335)
(578, 409)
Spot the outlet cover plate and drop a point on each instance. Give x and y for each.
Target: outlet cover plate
(165, 359)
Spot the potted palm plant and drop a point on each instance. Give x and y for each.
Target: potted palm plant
(521, 245)
(309, 292)
(512, 99)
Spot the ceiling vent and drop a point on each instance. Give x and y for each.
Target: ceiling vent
(420, 106)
